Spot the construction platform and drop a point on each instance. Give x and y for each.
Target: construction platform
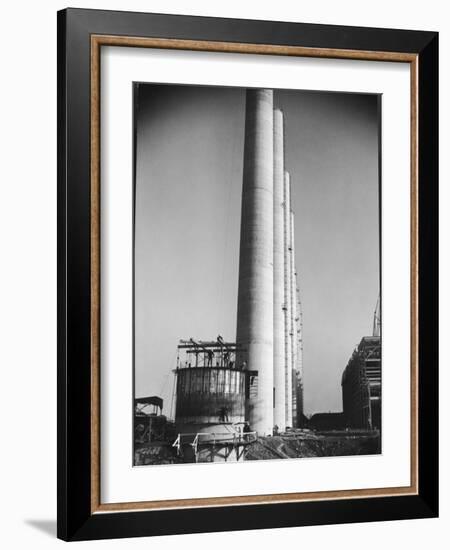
(211, 447)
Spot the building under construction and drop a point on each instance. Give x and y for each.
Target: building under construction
(361, 386)
(212, 390)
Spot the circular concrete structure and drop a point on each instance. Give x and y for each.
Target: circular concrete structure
(209, 399)
(279, 371)
(255, 296)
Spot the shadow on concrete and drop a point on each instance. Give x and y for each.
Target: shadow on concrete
(47, 526)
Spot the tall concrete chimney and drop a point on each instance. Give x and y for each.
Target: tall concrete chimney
(300, 352)
(279, 371)
(287, 298)
(294, 316)
(255, 295)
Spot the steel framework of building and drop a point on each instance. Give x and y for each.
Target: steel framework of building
(361, 385)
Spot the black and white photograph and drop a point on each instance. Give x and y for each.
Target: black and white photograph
(225, 249)
(257, 314)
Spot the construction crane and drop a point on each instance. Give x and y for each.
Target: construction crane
(377, 319)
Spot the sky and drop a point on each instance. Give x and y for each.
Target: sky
(189, 163)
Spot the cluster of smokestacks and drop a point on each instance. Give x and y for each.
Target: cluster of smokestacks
(269, 314)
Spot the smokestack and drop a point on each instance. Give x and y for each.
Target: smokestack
(299, 332)
(279, 371)
(299, 354)
(287, 297)
(293, 286)
(255, 295)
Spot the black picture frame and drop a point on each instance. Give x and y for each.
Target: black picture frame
(76, 521)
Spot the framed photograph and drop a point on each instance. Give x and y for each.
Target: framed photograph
(247, 256)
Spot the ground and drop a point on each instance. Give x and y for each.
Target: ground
(314, 444)
(294, 444)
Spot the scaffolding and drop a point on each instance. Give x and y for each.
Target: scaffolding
(361, 386)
